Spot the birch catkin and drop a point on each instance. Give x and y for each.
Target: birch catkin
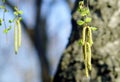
(84, 34)
(87, 43)
(88, 56)
(15, 40)
(83, 49)
(17, 36)
(89, 34)
(86, 40)
(86, 60)
(19, 32)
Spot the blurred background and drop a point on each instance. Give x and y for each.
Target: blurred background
(46, 28)
(55, 15)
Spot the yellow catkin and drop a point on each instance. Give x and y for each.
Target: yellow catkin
(83, 50)
(88, 56)
(84, 35)
(19, 32)
(86, 60)
(89, 34)
(87, 43)
(15, 40)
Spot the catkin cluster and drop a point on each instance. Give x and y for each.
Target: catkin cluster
(87, 43)
(86, 40)
(17, 35)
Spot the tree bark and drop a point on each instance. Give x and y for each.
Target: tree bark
(105, 50)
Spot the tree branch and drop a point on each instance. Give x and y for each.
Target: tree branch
(41, 41)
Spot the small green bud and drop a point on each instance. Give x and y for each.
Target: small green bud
(80, 42)
(16, 13)
(5, 31)
(20, 12)
(10, 21)
(94, 28)
(1, 21)
(88, 19)
(80, 22)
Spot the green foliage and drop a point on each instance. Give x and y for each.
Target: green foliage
(88, 19)
(17, 12)
(7, 29)
(10, 21)
(17, 27)
(80, 22)
(93, 28)
(1, 21)
(84, 11)
(80, 42)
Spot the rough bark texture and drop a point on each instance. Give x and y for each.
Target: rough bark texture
(105, 50)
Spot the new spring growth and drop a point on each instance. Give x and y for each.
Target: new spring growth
(86, 40)
(17, 29)
(17, 35)
(0, 21)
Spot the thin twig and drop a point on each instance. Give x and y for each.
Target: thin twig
(4, 21)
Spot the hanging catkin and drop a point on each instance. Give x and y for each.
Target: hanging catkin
(83, 50)
(88, 51)
(17, 35)
(89, 34)
(86, 40)
(86, 59)
(84, 35)
(19, 32)
(15, 40)
(87, 43)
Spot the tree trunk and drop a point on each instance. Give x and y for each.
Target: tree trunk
(105, 50)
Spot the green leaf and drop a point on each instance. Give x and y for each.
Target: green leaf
(5, 31)
(20, 12)
(87, 11)
(94, 28)
(2, 7)
(15, 8)
(80, 42)
(16, 13)
(80, 22)
(1, 21)
(10, 21)
(84, 11)
(88, 19)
